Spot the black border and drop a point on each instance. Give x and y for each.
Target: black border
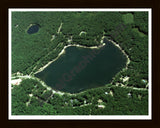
(6, 4)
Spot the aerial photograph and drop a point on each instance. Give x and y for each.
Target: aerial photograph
(79, 63)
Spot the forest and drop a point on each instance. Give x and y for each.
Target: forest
(107, 100)
(30, 52)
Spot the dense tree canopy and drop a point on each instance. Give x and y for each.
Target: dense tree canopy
(45, 102)
(32, 51)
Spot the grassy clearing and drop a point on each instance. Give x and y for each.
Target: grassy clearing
(128, 18)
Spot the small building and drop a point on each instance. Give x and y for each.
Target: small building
(125, 79)
(106, 93)
(144, 81)
(101, 106)
(30, 95)
(100, 101)
(16, 81)
(129, 94)
(111, 93)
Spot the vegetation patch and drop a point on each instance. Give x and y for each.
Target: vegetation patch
(33, 28)
(128, 18)
(141, 34)
(31, 98)
(126, 95)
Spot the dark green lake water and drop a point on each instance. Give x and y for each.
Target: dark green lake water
(82, 68)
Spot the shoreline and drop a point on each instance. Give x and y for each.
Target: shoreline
(63, 52)
(81, 46)
(117, 45)
(127, 63)
(68, 93)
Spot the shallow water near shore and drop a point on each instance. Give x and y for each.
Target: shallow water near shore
(83, 68)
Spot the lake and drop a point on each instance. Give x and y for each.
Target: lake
(83, 68)
(33, 29)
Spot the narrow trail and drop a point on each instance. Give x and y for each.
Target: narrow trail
(62, 93)
(37, 79)
(59, 29)
(30, 76)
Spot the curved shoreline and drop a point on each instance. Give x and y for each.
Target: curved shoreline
(117, 45)
(63, 51)
(78, 45)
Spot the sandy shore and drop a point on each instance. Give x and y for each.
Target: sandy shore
(63, 51)
(92, 47)
(117, 45)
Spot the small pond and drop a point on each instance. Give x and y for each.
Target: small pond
(33, 29)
